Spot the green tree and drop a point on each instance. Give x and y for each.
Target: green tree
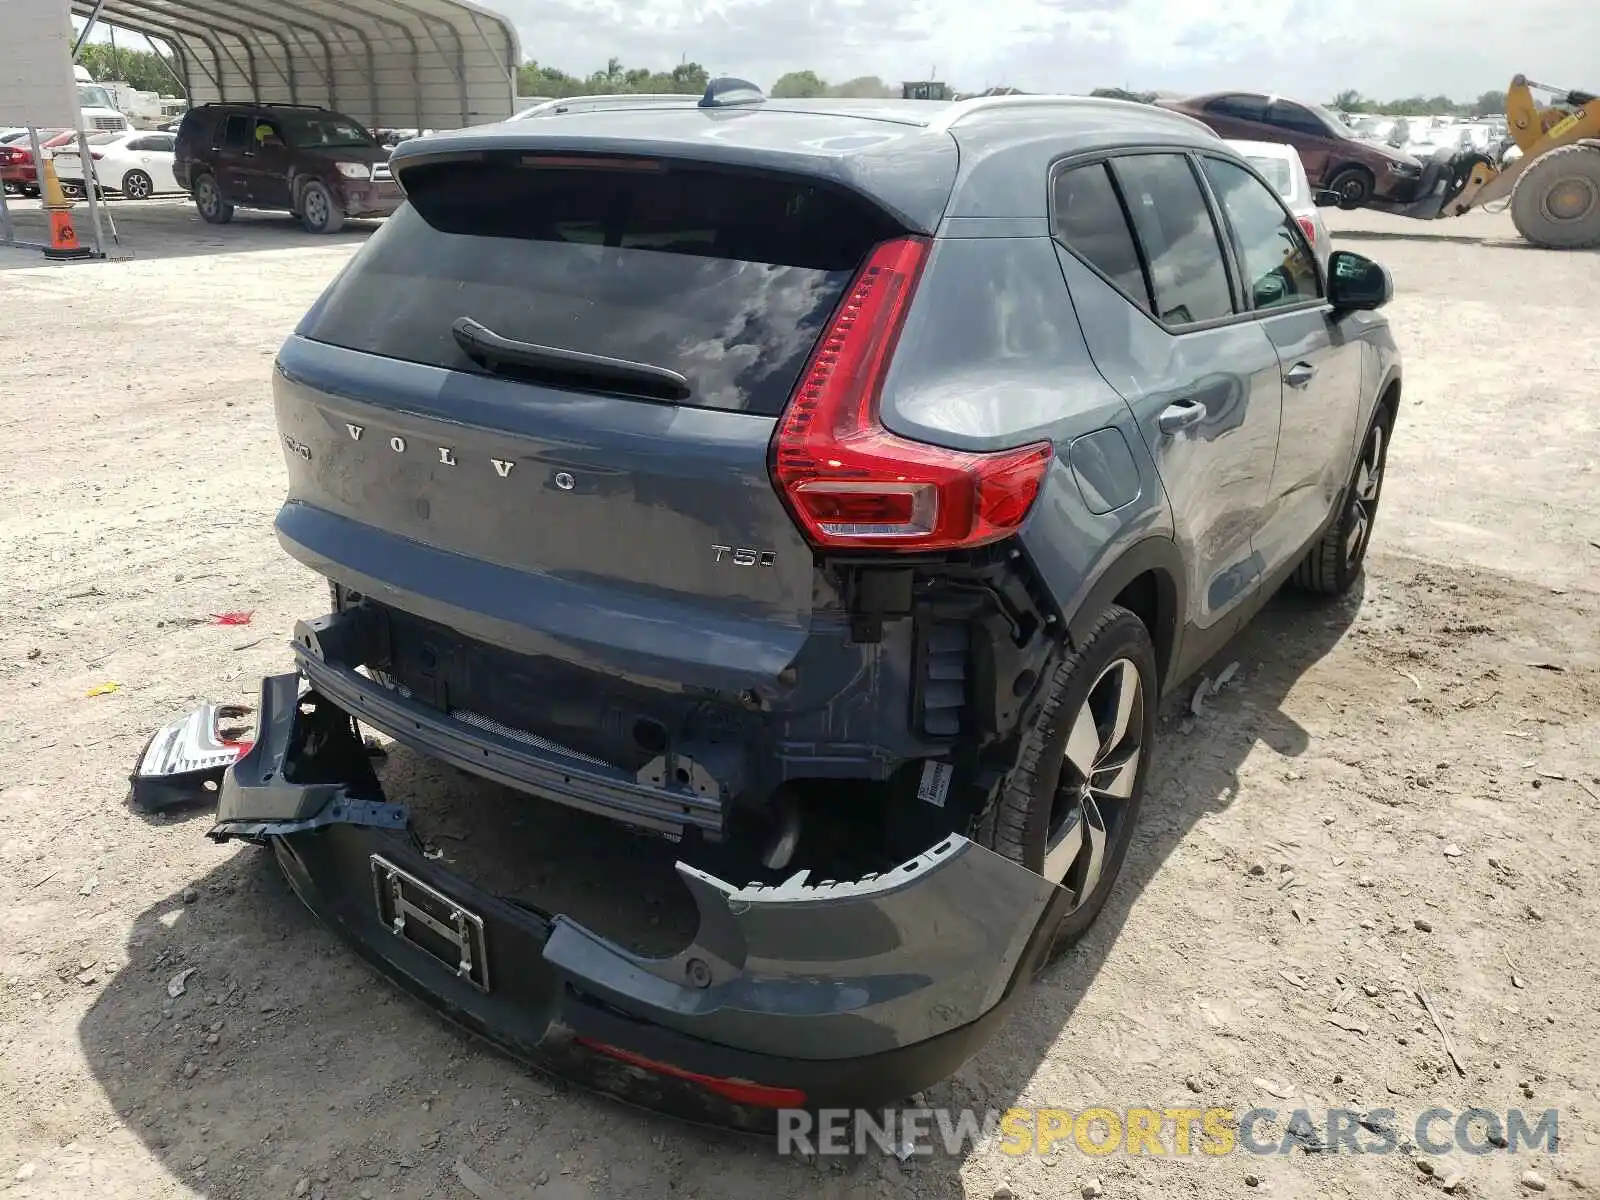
(688, 78)
(143, 69)
(865, 87)
(799, 85)
(1489, 104)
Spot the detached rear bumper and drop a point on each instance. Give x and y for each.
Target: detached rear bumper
(833, 995)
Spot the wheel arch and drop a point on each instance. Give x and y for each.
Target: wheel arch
(1350, 164)
(1148, 579)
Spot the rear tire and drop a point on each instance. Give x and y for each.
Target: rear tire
(1068, 809)
(318, 212)
(1354, 185)
(214, 207)
(1334, 563)
(136, 185)
(1556, 200)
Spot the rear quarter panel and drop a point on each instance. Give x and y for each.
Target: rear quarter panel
(992, 356)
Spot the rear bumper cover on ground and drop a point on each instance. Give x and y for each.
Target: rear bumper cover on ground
(798, 995)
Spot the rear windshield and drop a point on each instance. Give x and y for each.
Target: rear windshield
(1278, 173)
(726, 278)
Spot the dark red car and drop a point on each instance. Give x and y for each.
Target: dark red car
(1334, 158)
(18, 171)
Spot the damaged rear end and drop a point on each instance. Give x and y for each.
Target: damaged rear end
(586, 441)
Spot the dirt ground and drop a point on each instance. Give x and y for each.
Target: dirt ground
(1401, 791)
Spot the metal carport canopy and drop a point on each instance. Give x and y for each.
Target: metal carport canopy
(391, 64)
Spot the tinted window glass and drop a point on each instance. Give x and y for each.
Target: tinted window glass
(1277, 265)
(325, 131)
(265, 134)
(1180, 242)
(158, 142)
(1242, 108)
(1296, 120)
(1088, 217)
(234, 133)
(725, 278)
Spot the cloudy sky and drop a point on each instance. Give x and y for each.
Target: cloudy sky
(1309, 47)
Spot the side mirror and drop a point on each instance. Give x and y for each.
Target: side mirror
(1356, 283)
(1323, 198)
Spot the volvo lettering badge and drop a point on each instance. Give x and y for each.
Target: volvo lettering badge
(447, 455)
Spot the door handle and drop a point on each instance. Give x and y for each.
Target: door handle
(1179, 415)
(1299, 375)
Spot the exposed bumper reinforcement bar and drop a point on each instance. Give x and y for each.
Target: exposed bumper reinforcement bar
(836, 994)
(321, 650)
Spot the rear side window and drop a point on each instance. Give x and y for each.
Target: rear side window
(232, 134)
(1087, 217)
(724, 277)
(1188, 274)
(1240, 108)
(1278, 267)
(1295, 119)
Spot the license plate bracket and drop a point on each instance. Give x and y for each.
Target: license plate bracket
(431, 921)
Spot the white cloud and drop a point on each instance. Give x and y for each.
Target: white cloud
(1306, 47)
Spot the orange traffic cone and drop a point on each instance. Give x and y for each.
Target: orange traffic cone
(63, 237)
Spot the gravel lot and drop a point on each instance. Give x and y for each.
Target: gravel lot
(1402, 791)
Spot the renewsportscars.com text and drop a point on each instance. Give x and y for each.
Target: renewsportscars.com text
(1213, 1132)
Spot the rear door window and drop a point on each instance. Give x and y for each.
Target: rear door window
(1295, 119)
(1277, 264)
(1188, 273)
(724, 277)
(1086, 215)
(233, 133)
(1240, 108)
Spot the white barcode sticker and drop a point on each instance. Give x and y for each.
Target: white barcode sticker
(935, 785)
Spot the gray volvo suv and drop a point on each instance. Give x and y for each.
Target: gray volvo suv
(833, 488)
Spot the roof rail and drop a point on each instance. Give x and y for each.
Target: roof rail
(254, 104)
(551, 108)
(950, 116)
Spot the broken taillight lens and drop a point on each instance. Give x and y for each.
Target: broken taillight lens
(851, 483)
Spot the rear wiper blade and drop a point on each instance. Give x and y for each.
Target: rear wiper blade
(496, 353)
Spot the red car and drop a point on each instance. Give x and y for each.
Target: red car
(1335, 159)
(18, 171)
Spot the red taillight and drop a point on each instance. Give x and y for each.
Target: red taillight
(849, 482)
(740, 1091)
(96, 155)
(1309, 228)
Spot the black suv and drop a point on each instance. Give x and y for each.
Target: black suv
(321, 166)
(833, 489)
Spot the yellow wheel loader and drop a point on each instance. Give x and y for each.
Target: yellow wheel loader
(1553, 189)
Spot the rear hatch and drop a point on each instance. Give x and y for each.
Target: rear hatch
(537, 405)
